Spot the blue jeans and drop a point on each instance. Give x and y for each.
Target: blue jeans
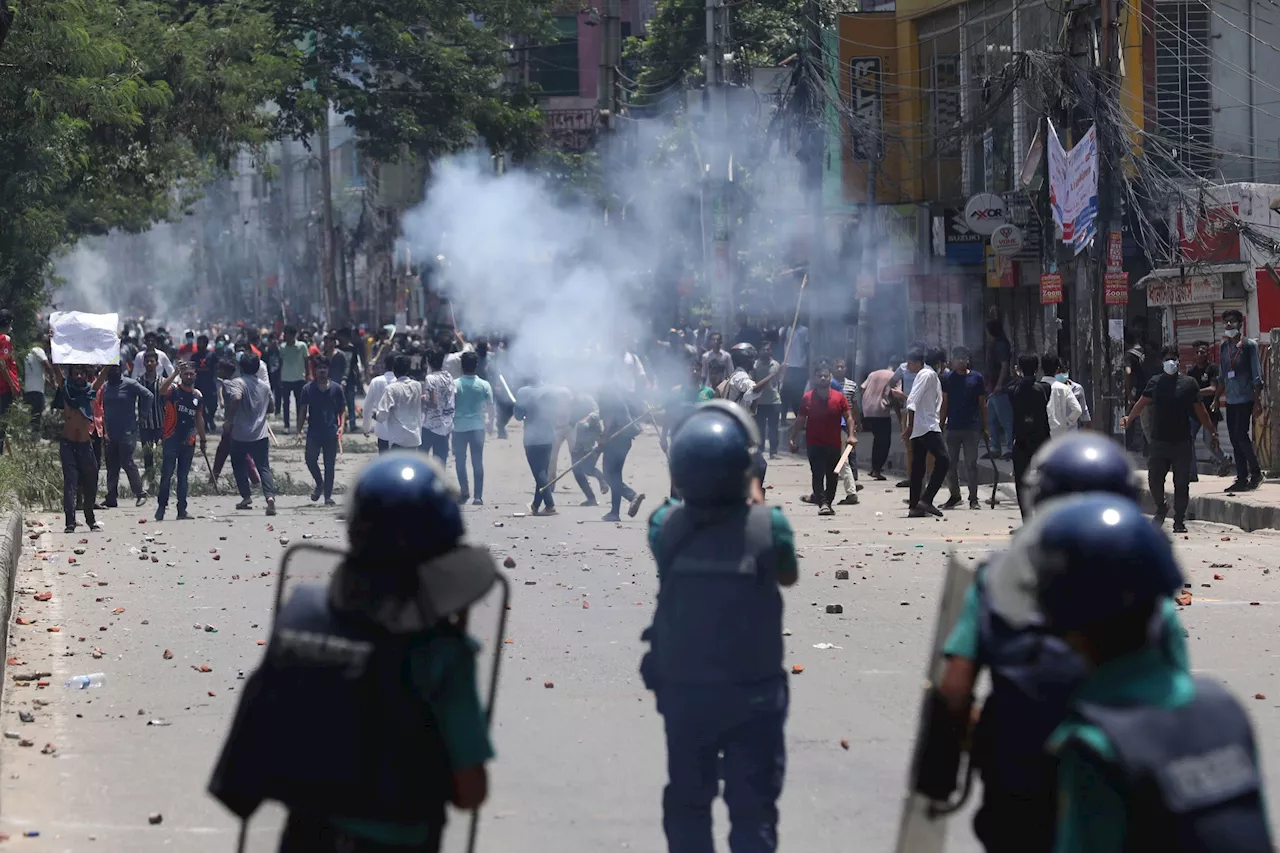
(539, 458)
(437, 444)
(1000, 412)
(328, 445)
(258, 451)
(744, 723)
(615, 456)
(177, 456)
(473, 439)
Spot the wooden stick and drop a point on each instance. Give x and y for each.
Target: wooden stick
(844, 457)
(791, 336)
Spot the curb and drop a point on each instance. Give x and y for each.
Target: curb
(10, 551)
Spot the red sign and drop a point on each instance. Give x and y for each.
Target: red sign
(1115, 251)
(1116, 288)
(1050, 288)
(1212, 237)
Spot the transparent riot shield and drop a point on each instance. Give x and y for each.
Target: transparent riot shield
(314, 564)
(922, 827)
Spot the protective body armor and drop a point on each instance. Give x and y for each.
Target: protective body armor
(331, 724)
(1033, 676)
(719, 614)
(1192, 774)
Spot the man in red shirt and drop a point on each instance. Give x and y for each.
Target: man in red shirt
(10, 388)
(821, 412)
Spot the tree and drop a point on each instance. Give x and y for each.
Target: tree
(418, 76)
(109, 109)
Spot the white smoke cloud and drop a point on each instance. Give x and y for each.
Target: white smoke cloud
(149, 274)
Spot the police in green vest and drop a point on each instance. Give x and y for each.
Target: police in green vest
(364, 719)
(1150, 758)
(715, 662)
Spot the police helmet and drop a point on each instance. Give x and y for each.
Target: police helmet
(1080, 462)
(713, 453)
(743, 355)
(402, 510)
(1096, 556)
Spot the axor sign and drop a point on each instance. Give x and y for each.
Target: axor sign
(986, 212)
(1007, 239)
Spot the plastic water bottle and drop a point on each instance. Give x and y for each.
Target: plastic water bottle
(84, 682)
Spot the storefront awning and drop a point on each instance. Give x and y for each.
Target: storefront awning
(1190, 272)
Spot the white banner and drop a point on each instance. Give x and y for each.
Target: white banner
(1073, 188)
(82, 338)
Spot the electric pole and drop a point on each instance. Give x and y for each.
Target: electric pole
(1108, 222)
(717, 168)
(329, 285)
(610, 59)
(813, 68)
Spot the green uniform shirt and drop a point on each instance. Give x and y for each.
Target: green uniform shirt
(1092, 814)
(784, 538)
(963, 640)
(444, 673)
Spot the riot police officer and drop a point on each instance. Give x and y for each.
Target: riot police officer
(1150, 758)
(364, 719)
(1032, 673)
(715, 662)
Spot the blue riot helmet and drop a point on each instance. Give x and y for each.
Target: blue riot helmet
(402, 510)
(1080, 462)
(1082, 560)
(712, 454)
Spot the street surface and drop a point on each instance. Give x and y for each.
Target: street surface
(581, 764)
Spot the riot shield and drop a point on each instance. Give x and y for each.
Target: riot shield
(313, 563)
(922, 829)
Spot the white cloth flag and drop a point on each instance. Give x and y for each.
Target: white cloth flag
(82, 338)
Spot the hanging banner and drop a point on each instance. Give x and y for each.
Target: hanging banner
(1051, 288)
(1000, 271)
(1073, 188)
(1116, 288)
(1115, 251)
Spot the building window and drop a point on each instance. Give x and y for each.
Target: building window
(988, 48)
(554, 67)
(1184, 102)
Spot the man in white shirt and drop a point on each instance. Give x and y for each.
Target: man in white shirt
(924, 423)
(36, 371)
(164, 367)
(795, 363)
(438, 405)
(400, 407)
(716, 363)
(453, 360)
(1064, 410)
(373, 395)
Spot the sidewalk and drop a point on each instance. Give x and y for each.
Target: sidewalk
(1249, 511)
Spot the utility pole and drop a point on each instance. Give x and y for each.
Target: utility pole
(822, 324)
(717, 169)
(610, 59)
(329, 286)
(1104, 392)
(869, 253)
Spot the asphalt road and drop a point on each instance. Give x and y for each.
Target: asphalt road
(581, 764)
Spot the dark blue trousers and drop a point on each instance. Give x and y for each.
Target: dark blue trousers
(744, 724)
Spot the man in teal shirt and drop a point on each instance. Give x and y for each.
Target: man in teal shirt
(293, 370)
(473, 408)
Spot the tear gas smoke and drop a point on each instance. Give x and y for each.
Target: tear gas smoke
(520, 261)
(137, 275)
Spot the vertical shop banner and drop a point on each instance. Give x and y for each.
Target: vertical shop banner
(1051, 288)
(1073, 187)
(1116, 288)
(1115, 252)
(1000, 270)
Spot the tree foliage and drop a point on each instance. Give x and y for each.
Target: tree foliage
(421, 76)
(112, 112)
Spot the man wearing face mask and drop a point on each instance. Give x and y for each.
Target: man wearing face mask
(1176, 399)
(120, 396)
(75, 449)
(1241, 379)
